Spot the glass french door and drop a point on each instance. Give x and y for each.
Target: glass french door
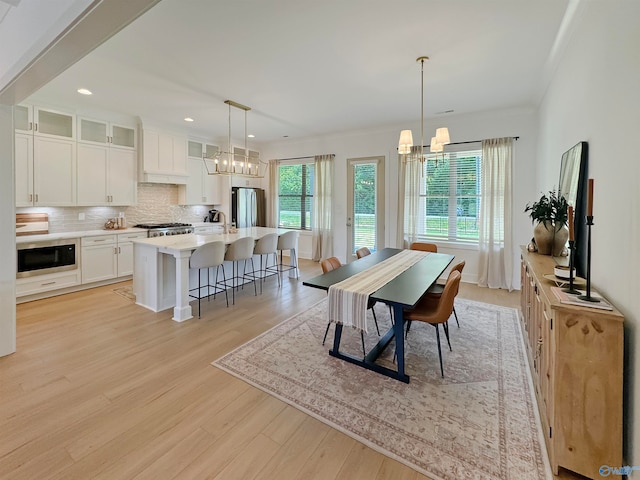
(365, 198)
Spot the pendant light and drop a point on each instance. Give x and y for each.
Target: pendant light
(406, 137)
(232, 162)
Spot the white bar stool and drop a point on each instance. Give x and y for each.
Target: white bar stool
(288, 241)
(241, 249)
(206, 257)
(266, 246)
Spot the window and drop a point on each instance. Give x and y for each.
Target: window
(295, 194)
(450, 196)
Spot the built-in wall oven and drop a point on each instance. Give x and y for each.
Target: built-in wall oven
(39, 258)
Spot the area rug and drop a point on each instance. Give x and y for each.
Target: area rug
(478, 422)
(126, 292)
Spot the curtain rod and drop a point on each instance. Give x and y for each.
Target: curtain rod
(470, 141)
(300, 158)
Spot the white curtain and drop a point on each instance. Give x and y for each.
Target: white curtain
(495, 269)
(409, 177)
(274, 187)
(322, 239)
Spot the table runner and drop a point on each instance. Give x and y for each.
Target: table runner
(348, 299)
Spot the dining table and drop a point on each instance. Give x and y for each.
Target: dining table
(402, 292)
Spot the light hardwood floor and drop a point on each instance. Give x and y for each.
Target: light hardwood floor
(102, 388)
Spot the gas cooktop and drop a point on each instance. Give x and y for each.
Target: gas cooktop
(162, 229)
(161, 225)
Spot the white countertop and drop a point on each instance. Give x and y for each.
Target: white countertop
(192, 241)
(207, 224)
(59, 236)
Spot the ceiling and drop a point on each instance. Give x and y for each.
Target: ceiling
(309, 67)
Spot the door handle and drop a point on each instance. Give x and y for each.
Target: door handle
(348, 224)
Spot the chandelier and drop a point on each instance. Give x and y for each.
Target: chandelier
(234, 161)
(438, 142)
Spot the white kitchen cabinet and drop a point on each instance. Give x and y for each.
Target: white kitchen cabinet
(45, 122)
(45, 157)
(125, 252)
(163, 157)
(54, 123)
(106, 176)
(54, 172)
(99, 258)
(201, 188)
(23, 119)
(46, 283)
(101, 132)
(105, 257)
(24, 169)
(106, 163)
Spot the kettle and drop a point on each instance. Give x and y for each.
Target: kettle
(214, 216)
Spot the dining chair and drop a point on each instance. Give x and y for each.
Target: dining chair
(329, 264)
(436, 311)
(266, 246)
(436, 289)
(241, 249)
(206, 257)
(424, 247)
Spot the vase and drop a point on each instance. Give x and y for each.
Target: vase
(550, 239)
(560, 241)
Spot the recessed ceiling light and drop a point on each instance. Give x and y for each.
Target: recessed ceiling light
(84, 91)
(188, 119)
(251, 135)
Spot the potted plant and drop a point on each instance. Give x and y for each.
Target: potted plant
(550, 233)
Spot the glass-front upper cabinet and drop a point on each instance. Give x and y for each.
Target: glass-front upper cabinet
(44, 122)
(197, 148)
(194, 149)
(105, 133)
(54, 123)
(124, 137)
(23, 119)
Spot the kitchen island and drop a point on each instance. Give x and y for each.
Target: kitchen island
(161, 276)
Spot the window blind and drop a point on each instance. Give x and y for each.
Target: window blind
(450, 193)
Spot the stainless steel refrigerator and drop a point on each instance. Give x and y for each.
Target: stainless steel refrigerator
(248, 207)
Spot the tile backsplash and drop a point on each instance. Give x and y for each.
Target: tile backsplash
(156, 203)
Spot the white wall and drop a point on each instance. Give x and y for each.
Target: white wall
(384, 142)
(594, 96)
(7, 235)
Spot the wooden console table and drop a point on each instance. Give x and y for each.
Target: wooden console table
(576, 359)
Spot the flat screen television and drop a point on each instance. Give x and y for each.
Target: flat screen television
(573, 186)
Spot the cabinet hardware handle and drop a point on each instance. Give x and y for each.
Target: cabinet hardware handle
(31, 197)
(47, 283)
(119, 251)
(99, 239)
(35, 127)
(30, 125)
(36, 198)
